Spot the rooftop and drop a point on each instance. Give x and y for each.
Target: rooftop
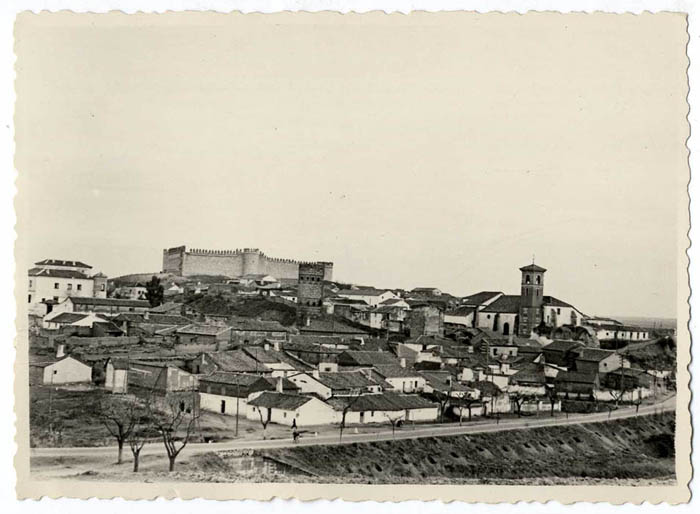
(388, 401)
(202, 329)
(274, 400)
(533, 267)
(508, 303)
(114, 302)
(57, 273)
(61, 262)
(480, 298)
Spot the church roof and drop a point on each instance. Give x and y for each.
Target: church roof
(508, 303)
(480, 298)
(533, 267)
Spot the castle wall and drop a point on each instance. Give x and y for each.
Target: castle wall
(232, 263)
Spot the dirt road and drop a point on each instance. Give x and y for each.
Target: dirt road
(380, 435)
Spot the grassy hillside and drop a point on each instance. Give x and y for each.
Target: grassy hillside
(636, 448)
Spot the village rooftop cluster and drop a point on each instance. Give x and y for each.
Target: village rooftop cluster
(215, 332)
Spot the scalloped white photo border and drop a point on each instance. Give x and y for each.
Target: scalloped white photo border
(7, 190)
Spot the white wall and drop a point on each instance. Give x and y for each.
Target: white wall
(407, 384)
(560, 315)
(313, 412)
(44, 288)
(212, 403)
(67, 371)
(308, 384)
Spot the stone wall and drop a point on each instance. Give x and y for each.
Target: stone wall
(232, 263)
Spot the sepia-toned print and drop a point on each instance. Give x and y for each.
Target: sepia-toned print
(370, 257)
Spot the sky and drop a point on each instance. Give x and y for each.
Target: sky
(411, 152)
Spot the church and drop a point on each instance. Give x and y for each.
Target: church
(520, 314)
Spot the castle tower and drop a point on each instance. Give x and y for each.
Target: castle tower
(531, 290)
(310, 291)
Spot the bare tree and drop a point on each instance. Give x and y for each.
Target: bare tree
(175, 425)
(119, 415)
(552, 396)
(520, 399)
(466, 402)
(346, 409)
(263, 421)
(140, 435)
(444, 402)
(394, 420)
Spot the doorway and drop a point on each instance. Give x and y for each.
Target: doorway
(223, 406)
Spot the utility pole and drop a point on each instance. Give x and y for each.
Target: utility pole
(53, 372)
(238, 397)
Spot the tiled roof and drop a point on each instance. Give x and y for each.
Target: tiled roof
(533, 267)
(236, 361)
(274, 400)
(254, 325)
(392, 301)
(240, 379)
(361, 292)
(487, 388)
(575, 377)
(506, 304)
(202, 329)
(388, 401)
(365, 358)
(460, 311)
(555, 302)
(480, 298)
(561, 345)
(57, 273)
(593, 354)
(395, 371)
(444, 381)
(68, 317)
(345, 380)
(531, 373)
(113, 302)
(60, 262)
(330, 326)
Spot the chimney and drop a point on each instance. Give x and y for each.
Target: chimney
(280, 384)
(402, 362)
(60, 350)
(146, 315)
(266, 346)
(316, 374)
(276, 346)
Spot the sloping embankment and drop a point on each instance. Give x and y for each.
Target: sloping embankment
(635, 448)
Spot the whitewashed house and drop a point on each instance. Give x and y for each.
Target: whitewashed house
(67, 370)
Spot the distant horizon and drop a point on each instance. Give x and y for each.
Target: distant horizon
(443, 164)
(512, 291)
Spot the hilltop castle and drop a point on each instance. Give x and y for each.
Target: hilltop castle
(233, 263)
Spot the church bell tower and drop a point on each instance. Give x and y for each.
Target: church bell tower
(531, 290)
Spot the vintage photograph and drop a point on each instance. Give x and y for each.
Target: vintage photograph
(336, 252)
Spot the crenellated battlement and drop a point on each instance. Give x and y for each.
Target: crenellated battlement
(233, 263)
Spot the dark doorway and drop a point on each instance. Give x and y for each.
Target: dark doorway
(223, 406)
(506, 329)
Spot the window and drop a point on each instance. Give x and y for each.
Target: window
(70, 287)
(55, 298)
(284, 414)
(527, 279)
(80, 287)
(30, 298)
(558, 310)
(30, 283)
(538, 280)
(102, 287)
(55, 285)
